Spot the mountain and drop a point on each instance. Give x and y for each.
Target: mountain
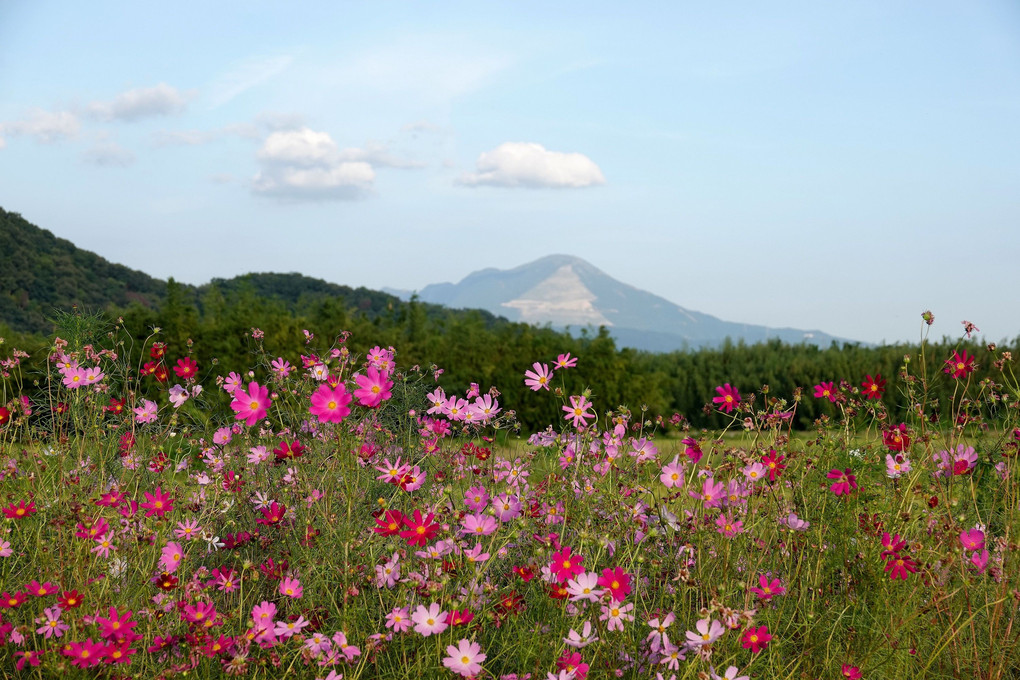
(566, 291)
(40, 272)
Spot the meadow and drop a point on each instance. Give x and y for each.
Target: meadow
(345, 516)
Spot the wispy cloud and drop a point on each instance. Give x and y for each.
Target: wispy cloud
(147, 102)
(108, 154)
(246, 75)
(43, 126)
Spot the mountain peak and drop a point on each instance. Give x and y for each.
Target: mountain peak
(568, 291)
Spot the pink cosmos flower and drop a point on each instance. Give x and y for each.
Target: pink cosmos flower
(116, 626)
(171, 557)
(584, 587)
(896, 466)
(84, 654)
(291, 587)
(73, 377)
(578, 412)
(399, 619)
(767, 589)
(582, 639)
(286, 629)
(431, 621)
(657, 637)
(478, 524)
(506, 507)
(329, 404)
(564, 361)
(708, 631)
(713, 493)
(251, 406)
(146, 413)
(465, 659)
(281, 367)
(476, 498)
(263, 613)
(972, 539)
(373, 387)
(615, 613)
(537, 379)
(728, 398)
(51, 626)
(845, 481)
(729, 527)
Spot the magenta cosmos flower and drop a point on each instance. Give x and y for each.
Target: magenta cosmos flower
(728, 398)
(251, 406)
(329, 404)
(373, 387)
(845, 481)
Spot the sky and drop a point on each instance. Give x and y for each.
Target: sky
(833, 166)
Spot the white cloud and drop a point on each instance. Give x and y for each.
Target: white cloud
(3, 143)
(161, 100)
(247, 75)
(524, 164)
(108, 154)
(44, 126)
(307, 165)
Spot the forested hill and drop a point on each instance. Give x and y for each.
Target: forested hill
(40, 272)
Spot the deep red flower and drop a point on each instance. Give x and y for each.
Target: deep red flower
(755, 639)
(186, 368)
(896, 438)
(12, 600)
(5, 415)
(272, 515)
(389, 524)
(459, 618)
(873, 387)
(70, 599)
(960, 365)
(19, 511)
(773, 462)
(158, 350)
(899, 565)
(285, 451)
(166, 581)
(116, 406)
(419, 531)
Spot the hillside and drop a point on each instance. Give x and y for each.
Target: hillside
(40, 272)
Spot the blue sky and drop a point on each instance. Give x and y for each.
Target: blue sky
(833, 166)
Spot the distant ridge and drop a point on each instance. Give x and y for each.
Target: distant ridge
(566, 291)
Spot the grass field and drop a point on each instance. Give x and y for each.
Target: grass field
(348, 518)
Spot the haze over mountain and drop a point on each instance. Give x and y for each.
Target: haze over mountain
(568, 292)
